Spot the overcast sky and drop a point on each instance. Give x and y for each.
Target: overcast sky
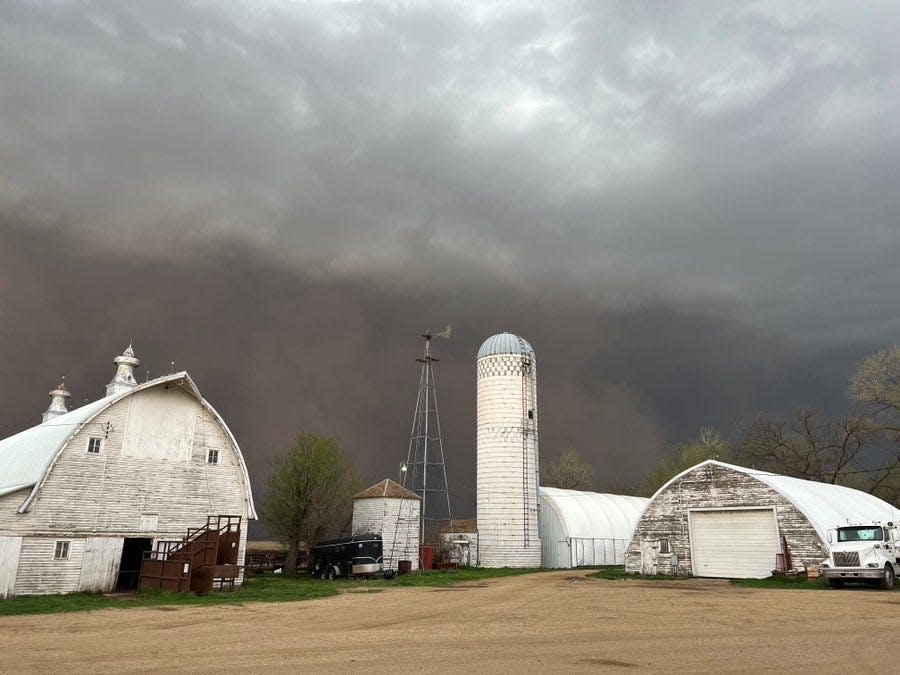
(689, 209)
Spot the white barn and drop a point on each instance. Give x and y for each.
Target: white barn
(389, 509)
(86, 493)
(586, 528)
(721, 520)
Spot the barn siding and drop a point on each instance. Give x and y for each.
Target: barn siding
(40, 573)
(710, 486)
(106, 494)
(396, 520)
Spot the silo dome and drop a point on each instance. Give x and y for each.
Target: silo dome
(505, 343)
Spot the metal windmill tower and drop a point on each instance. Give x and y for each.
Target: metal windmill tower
(425, 472)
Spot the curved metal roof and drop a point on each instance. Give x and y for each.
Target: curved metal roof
(826, 506)
(505, 343)
(26, 457)
(593, 515)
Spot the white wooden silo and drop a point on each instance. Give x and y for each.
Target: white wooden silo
(507, 453)
(392, 511)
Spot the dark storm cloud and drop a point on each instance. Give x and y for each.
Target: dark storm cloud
(689, 209)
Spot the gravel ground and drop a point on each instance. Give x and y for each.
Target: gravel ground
(552, 622)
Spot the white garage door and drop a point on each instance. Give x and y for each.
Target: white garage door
(734, 544)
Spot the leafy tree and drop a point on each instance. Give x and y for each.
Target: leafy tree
(569, 471)
(309, 495)
(708, 445)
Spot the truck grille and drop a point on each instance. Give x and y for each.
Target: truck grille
(846, 559)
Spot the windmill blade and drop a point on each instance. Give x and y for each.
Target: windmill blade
(446, 332)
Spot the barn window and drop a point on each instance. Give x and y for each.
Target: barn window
(94, 445)
(61, 552)
(212, 456)
(664, 546)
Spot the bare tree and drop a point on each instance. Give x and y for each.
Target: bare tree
(876, 384)
(808, 446)
(569, 472)
(309, 495)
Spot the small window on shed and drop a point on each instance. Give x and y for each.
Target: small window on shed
(212, 456)
(61, 552)
(664, 546)
(94, 445)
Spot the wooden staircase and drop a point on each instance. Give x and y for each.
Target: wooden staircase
(205, 559)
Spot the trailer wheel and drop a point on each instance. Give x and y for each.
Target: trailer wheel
(331, 574)
(887, 583)
(323, 575)
(836, 583)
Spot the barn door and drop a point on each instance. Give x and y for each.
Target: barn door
(648, 557)
(738, 544)
(100, 563)
(10, 547)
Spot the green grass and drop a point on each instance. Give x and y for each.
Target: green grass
(262, 588)
(797, 582)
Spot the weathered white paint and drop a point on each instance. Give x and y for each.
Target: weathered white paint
(396, 520)
(160, 426)
(507, 455)
(9, 564)
(40, 573)
(111, 494)
(734, 543)
(461, 547)
(100, 564)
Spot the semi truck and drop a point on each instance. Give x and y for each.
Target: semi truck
(867, 553)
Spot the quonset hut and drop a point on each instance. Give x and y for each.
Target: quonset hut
(586, 528)
(721, 520)
(389, 509)
(86, 493)
(507, 453)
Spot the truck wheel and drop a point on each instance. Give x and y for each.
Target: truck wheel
(887, 583)
(331, 574)
(836, 583)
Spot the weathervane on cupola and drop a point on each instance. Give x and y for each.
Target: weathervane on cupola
(57, 401)
(124, 378)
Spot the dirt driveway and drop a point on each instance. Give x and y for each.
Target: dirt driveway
(551, 622)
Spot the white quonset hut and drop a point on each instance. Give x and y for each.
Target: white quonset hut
(586, 528)
(507, 453)
(84, 494)
(389, 509)
(721, 520)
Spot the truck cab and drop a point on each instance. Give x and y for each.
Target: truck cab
(863, 553)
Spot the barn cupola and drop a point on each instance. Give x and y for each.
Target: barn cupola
(124, 378)
(58, 398)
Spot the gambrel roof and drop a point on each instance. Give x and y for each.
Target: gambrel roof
(27, 457)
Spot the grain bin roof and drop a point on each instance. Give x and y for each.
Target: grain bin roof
(505, 343)
(461, 526)
(387, 488)
(26, 457)
(593, 515)
(826, 506)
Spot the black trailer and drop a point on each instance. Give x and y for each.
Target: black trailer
(356, 556)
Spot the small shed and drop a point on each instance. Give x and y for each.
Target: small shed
(586, 528)
(722, 520)
(389, 509)
(459, 540)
